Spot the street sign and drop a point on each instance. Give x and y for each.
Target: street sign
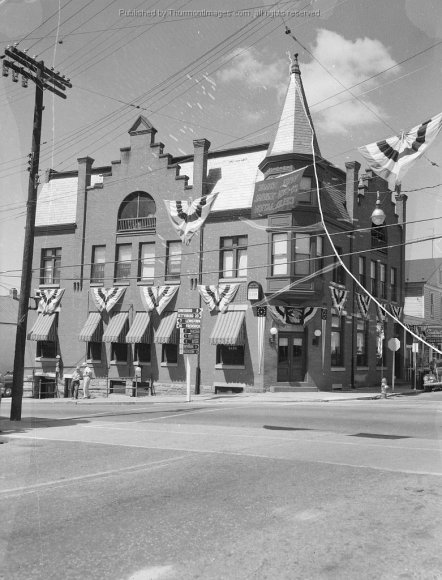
(190, 312)
(394, 344)
(192, 324)
(189, 349)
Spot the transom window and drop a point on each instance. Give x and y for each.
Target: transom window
(137, 212)
(234, 257)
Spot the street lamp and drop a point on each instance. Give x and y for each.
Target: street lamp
(378, 216)
(273, 333)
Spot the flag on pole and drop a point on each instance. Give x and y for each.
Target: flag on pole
(393, 157)
(324, 328)
(261, 313)
(188, 217)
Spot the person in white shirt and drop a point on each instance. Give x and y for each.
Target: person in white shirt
(87, 374)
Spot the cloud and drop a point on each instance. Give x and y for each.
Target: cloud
(244, 65)
(350, 62)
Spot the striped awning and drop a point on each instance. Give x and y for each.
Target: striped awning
(167, 332)
(45, 328)
(92, 330)
(229, 328)
(140, 330)
(117, 327)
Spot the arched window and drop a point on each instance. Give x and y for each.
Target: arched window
(137, 212)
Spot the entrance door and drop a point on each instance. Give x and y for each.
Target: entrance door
(291, 357)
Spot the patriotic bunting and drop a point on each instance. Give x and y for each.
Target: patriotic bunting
(261, 313)
(292, 315)
(49, 300)
(363, 301)
(381, 314)
(157, 297)
(106, 298)
(188, 217)
(218, 296)
(339, 298)
(308, 314)
(393, 157)
(396, 311)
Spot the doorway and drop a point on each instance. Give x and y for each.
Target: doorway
(291, 357)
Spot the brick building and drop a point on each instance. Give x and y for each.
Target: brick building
(108, 228)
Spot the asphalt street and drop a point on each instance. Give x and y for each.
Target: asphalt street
(221, 489)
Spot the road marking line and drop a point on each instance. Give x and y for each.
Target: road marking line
(61, 482)
(242, 453)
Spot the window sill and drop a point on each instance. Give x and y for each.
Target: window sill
(147, 282)
(96, 284)
(142, 364)
(115, 363)
(172, 282)
(362, 368)
(93, 361)
(232, 280)
(122, 283)
(46, 359)
(166, 364)
(229, 367)
(335, 369)
(48, 286)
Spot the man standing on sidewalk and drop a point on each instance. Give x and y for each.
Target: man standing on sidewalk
(87, 374)
(75, 384)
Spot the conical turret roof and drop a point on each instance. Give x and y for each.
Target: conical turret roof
(294, 132)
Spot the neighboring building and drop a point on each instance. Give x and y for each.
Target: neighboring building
(8, 329)
(101, 228)
(423, 306)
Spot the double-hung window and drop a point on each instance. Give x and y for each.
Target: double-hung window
(362, 275)
(280, 248)
(373, 278)
(361, 342)
(146, 261)
(97, 266)
(123, 262)
(337, 340)
(382, 281)
(50, 266)
(233, 257)
(173, 260)
(301, 258)
(338, 271)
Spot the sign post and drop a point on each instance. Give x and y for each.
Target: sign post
(415, 351)
(394, 344)
(189, 323)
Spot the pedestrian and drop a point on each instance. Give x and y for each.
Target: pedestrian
(75, 383)
(87, 373)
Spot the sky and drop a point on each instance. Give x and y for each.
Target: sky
(220, 70)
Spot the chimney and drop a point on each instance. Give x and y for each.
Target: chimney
(201, 148)
(351, 186)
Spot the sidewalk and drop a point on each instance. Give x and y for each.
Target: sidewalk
(267, 397)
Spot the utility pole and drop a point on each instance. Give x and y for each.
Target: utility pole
(44, 79)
